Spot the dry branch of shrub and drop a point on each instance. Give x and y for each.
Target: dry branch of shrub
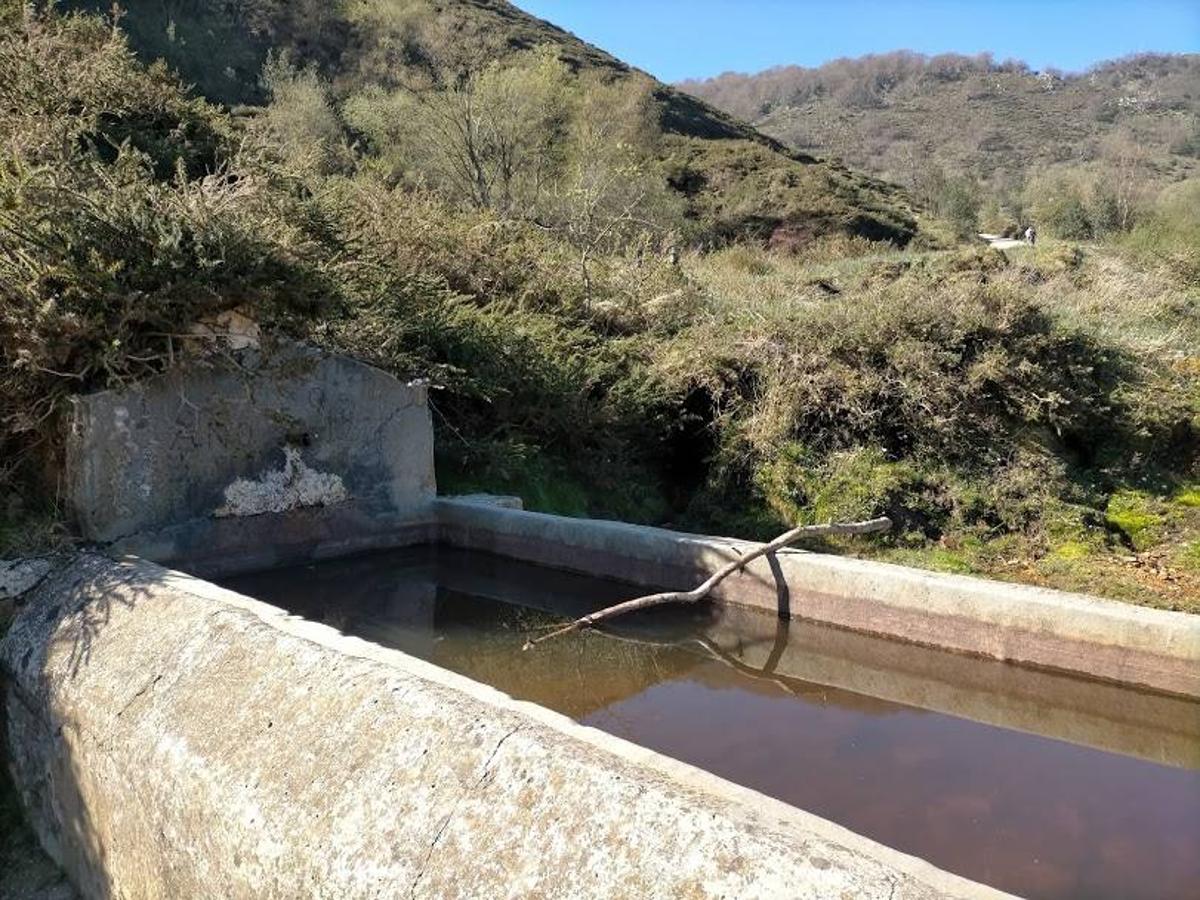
(699, 593)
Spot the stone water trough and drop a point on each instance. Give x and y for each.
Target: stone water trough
(171, 739)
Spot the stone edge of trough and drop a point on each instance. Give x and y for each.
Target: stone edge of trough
(748, 814)
(1050, 629)
(742, 802)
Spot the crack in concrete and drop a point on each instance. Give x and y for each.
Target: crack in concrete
(412, 891)
(142, 690)
(392, 416)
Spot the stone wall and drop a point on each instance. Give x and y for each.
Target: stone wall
(253, 460)
(172, 739)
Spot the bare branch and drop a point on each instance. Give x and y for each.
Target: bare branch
(699, 593)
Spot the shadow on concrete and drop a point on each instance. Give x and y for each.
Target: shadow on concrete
(53, 638)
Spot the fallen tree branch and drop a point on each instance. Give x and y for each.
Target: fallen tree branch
(699, 593)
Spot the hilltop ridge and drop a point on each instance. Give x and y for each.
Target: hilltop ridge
(894, 114)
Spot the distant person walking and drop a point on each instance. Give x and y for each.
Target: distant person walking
(1031, 235)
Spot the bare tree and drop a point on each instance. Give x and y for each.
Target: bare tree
(489, 136)
(1128, 160)
(609, 190)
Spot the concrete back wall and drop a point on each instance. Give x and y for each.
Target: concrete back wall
(174, 740)
(251, 461)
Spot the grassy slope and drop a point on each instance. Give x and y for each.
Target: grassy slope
(739, 181)
(995, 125)
(1125, 525)
(1126, 530)
(1021, 417)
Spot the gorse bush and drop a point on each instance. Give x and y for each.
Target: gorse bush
(1170, 233)
(921, 387)
(124, 218)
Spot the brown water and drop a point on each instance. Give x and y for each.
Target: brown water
(997, 773)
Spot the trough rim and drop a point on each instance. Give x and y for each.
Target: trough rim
(739, 802)
(1163, 646)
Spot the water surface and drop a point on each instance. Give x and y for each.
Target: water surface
(1039, 784)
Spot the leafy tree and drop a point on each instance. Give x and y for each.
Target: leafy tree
(955, 199)
(609, 192)
(488, 138)
(301, 120)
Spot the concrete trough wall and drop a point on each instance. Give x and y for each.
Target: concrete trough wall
(1160, 728)
(1048, 629)
(227, 465)
(172, 739)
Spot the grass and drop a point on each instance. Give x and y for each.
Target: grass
(1134, 514)
(1189, 556)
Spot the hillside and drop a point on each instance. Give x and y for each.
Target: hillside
(533, 239)
(732, 180)
(893, 115)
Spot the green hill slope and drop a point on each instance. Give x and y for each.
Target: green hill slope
(894, 114)
(733, 180)
(1031, 414)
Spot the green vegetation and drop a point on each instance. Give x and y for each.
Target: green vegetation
(122, 217)
(902, 115)
(409, 79)
(1133, 514)
(993, 146)
(627, 304)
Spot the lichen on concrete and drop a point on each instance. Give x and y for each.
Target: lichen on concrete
(295, 486)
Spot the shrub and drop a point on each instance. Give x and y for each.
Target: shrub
(124, 218)
(805, 487)
(1170, 234)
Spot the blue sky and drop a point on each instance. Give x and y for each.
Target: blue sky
(675, 39)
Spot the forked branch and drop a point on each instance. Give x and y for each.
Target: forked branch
(699, 593)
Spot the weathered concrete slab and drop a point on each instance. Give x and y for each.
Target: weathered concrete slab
(1049, 629)
(176, 740)
(262, 459)
(18, 576)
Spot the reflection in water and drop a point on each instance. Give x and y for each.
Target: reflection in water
(895, 742)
